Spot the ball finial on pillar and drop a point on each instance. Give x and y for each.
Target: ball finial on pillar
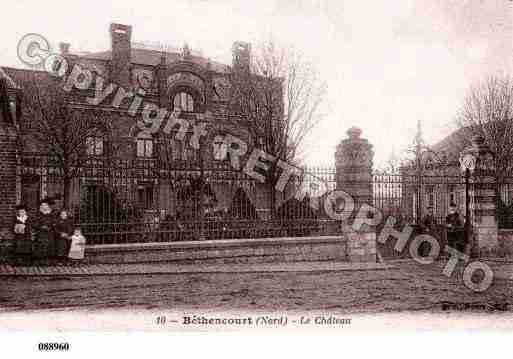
(354, 133)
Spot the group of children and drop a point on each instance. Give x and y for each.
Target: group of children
(47, 238)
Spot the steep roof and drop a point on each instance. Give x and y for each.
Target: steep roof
(9, 81)
(152, 58)
(20, 76)
(454, 143)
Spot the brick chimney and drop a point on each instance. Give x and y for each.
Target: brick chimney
(120, 36)
(241, 52)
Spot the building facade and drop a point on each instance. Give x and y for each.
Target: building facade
(132, 172)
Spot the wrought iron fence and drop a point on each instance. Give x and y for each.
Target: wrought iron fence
(146, 200)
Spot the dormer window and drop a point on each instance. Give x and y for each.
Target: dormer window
(183, 101)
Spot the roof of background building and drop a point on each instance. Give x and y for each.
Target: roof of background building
(458, 140)
(454, 143)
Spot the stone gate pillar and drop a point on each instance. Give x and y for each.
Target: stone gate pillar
(483, 206)
(353, 162)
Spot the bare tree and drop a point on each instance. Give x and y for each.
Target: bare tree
(488, 111)
(279, 96)
(57, 129)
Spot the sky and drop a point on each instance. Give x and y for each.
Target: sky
(387, 64)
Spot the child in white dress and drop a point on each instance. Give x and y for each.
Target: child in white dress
(77, 248)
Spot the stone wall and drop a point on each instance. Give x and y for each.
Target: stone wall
(361, 246)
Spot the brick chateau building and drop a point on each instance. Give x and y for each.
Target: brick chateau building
(127, 170)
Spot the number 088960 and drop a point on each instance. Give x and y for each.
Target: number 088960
(53, 347)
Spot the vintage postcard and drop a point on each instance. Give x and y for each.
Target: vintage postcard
(236, 166)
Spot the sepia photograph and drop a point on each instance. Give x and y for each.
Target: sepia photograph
(235, 166)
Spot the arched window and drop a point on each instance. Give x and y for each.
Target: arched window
(94, 146)
(183, 101)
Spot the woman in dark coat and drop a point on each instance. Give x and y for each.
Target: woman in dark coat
(454, 229)
(428, 226)
(22, 234)
(44, 228)
(63, 231)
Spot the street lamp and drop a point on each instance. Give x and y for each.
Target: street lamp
(478, 160)
(468, 165)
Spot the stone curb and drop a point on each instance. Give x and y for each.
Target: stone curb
(162, 268)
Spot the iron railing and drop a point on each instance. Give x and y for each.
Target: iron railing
(117, 200)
